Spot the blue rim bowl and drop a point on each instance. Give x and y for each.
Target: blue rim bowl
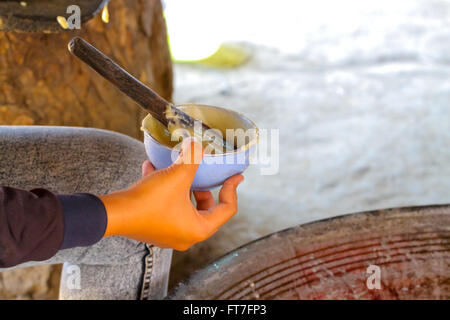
(214, 168)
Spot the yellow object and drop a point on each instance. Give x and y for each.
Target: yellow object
(227, 56)
(62, 22)
(105, 14)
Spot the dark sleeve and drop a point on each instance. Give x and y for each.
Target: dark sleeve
(35, 224)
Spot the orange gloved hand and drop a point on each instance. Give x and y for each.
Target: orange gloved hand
(157, 209)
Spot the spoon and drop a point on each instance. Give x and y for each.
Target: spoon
(162, 110)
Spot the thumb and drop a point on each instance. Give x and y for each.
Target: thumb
(189, 159)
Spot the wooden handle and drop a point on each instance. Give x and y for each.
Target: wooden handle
(132, 87)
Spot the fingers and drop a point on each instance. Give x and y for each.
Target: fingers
(147, 168)
(204, 200)
(227, 206)
(187, 163)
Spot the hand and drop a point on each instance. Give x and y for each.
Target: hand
(157, 209)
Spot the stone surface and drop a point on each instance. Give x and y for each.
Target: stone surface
(361, 102)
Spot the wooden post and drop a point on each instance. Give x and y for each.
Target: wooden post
(41, 83)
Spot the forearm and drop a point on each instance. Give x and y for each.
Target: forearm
(157, 209)
(35, 225)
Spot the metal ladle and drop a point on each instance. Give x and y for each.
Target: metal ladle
(148, 99)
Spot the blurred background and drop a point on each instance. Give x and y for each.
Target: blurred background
(359, 90)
